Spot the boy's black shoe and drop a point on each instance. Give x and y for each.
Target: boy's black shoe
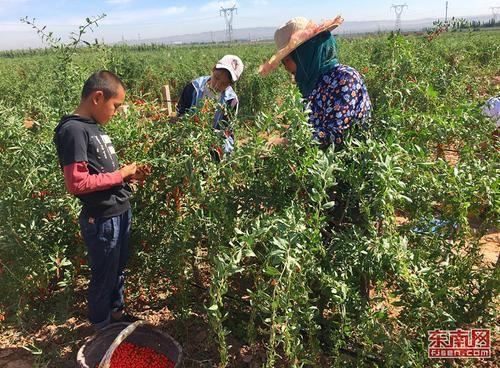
(128, 318)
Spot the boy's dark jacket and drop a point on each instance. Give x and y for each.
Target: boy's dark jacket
(80, 139)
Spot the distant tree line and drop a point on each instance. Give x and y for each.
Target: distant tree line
(457, 24)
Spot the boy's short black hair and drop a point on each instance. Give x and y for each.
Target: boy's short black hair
(104, 81)
(227, 73)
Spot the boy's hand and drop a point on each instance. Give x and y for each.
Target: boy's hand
(128, 170)
(142, 173)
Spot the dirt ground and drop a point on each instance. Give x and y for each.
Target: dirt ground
(55, 344)
(490, 247)
(58, 343)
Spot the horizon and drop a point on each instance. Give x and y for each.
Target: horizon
(134, 20)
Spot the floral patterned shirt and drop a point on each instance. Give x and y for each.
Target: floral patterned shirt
(338, 101)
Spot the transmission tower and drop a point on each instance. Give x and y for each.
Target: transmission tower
(495, 10)
(228, 16)
(398, 9)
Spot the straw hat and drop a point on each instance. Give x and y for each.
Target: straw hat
(293, 34)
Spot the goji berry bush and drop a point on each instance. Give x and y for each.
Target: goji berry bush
(278, 276)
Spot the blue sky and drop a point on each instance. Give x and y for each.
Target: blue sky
(132, 19)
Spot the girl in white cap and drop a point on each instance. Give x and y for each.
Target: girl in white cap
(217, 86)
(336, 93)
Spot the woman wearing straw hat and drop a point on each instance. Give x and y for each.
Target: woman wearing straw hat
(336, 93)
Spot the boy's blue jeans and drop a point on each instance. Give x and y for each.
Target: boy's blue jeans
(107, 241)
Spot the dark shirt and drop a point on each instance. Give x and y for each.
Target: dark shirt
(79, 139)
(186, 100)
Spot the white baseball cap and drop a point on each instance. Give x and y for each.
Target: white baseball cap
(233, 64)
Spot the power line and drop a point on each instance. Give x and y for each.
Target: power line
(398, 9)
(228, 16)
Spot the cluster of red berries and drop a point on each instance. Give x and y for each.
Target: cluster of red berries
(128, 355)
(41, 194)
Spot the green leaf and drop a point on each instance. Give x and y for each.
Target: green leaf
(431, 92)
(271, 271)
(328, 205)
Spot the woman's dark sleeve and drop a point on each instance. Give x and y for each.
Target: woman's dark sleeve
(230, 113)
(186, 99)
(229, 141)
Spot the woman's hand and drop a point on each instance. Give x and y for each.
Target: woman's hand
(276, 141)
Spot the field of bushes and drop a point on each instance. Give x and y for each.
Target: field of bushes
(242, 251)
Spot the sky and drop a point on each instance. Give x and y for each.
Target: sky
(146, 19)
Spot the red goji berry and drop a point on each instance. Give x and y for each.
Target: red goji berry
(128, 355)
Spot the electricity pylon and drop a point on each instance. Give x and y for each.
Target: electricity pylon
(228, 16)
(495, 10)
(398, 9)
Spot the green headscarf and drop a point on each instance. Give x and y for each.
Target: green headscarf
(313, 58)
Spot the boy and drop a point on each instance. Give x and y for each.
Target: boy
(92, 174)
(217, 86)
